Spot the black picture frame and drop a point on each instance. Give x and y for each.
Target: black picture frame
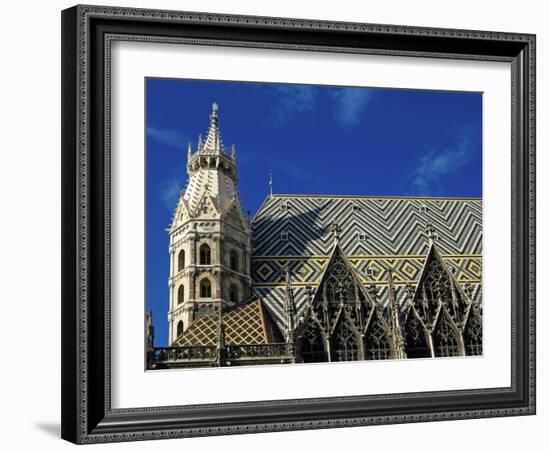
(87, 415)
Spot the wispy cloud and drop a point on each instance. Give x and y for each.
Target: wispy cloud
(349, 105)
(167, 136)
(436, 163)
(169, 191)
(291, 102)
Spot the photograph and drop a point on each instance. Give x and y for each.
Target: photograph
(330, 224)
(281, 222)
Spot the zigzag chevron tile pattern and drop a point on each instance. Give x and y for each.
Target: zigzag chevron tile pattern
(377, 232)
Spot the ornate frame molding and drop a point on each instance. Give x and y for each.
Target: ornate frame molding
(87, 34)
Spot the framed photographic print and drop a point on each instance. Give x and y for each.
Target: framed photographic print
(267, 222)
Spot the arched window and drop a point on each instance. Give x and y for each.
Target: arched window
(311, 347)
(180, 294)
(234, 260)
(416, 337)
(233, 293)
(377, 340)
(180, 327)
(345, 345)
(445, 341)
(181, 260)
(473, 334)
(205, 254)
(206, 288)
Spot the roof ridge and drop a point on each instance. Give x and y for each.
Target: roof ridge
(251, 299)
(374, 197)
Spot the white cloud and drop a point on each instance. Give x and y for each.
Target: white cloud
(436, 163)
(169, 191)
(167, 136)
(350, 103)
(292, 101)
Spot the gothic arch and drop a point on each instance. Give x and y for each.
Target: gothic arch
(181, 294)
(473, 333)
(234, 260)
(446, 337)
(377, 339)
(417, 342)
(181, 260)
(339, 292)
(205, 288)
(311, 343)
(434, 287)
(205, 255)
(345, 342)
(180, 328)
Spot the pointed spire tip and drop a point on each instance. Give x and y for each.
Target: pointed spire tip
(336, 229)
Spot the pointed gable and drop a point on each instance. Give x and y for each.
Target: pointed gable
(344, 315)
(206, 208)
(417, 336)
(340, 290)
(446, 336)
(436, 288)
(181, 213)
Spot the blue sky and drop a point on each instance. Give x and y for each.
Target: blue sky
(315, 140)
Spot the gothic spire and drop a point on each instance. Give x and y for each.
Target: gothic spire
(290, 308)
(220, 340)
(335, 228)
(213, 144)
(395, 325)
(430, 232)
(149, 331)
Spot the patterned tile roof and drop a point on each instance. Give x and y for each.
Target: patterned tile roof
(393, 226)
(377, 232)
(247, 323)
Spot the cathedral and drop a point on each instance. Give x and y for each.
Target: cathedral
(315, 278)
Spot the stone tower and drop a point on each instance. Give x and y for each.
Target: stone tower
(209, 236)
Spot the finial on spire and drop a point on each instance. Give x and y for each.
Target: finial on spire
(430, 232)
(200, 141)
(286, 271)
(214, 115)
(189, 151)
(469, 290)
(372, 291)
(233, 151)
(336, 229)
(212, 145)
(389, 274)
(270, 182)
(309, 293)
